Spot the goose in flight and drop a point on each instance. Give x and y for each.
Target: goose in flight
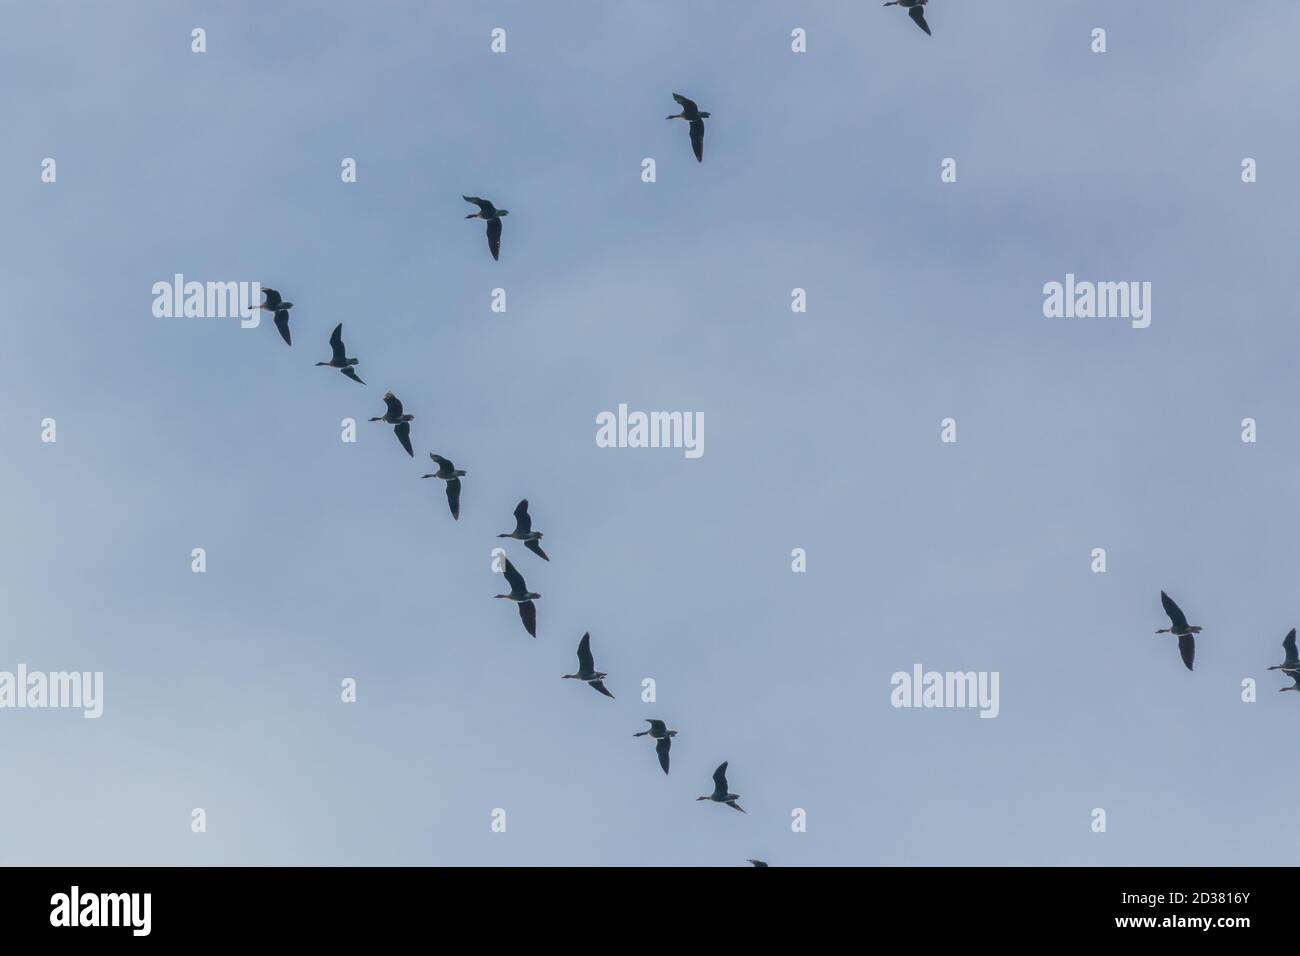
(691, 113)
(663, 738)
(448, 473)
(520, 594)
(275, 304)
(401, 423)
(524, 531)
(340, 359)
(720, 794)
(587, 668)
(493, 216)
(1291, 666)
(756, 863)
(1180, 629)
(915, 11)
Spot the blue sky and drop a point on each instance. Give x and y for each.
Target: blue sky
(821, 171)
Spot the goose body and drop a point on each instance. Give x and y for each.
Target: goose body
(587, 668)
(486, 210)
(339, 359)
(692, 114)
(720, 792)
(452, 476)
(401, 423)
(520, 594)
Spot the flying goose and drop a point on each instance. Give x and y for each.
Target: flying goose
(691, 113)
(448, 473)
(339, 359)
(720, 794)
(493, 216)
(913, 8)
(663, 738)
(756, 863)
(520, 594)
(1291, 666)
(275, 304)
(587, 668)
(1180, 629)
(524, 531)
(401, 423)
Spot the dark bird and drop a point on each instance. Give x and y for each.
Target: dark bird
(493, 216)
(524, 531)
(401, 423)
(340, 358)
(520, 594)
(756, 863)
(720, 794)
(1291, 666)
(913, 8)
(691, 113)
(275, 304)
(448, 473)
(663, 738)
(1180, 629)
(587, 668)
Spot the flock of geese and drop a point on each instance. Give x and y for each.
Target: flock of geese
(519, 593)
(1186, 634)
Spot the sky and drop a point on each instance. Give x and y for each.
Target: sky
(329, 560)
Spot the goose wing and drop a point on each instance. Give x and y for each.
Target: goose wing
(662, 746)
(657, 727)
(1175, 613)
(453, 497)
(494, 237)
(600, 686)
(1187, 648)
(273, 299)
(351, 373)
(515, 579)
(687, 105)
(697, 138)
(918, 17)
(536, 547)
(443, 463)
(336, 343)
(403, 432)
(528, 614)
(1288, 644)
(720, 780)
(523, 523)
(586, 663)
(394, 405)
(484, 205)
(282, 323)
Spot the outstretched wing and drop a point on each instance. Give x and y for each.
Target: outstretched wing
(657, 726)
(273, 299)
(586, 663)
(523, 523)
(662, 746)
(351, 373)
(1174, 611)
(442, 462)
(720, 779)
(494, 237)
(535, 547)
(336, 343)
(515, 579)
(697, 139)
(528, 614)
(394, 405)
(600, 686)
(483, 204)
(282, 323)
(918, 17)
(688, 105)
(1288, 644)
(1187, 648)
(403, 432)
(453, 497)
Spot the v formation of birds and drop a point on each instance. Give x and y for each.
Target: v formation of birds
(524, 599)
